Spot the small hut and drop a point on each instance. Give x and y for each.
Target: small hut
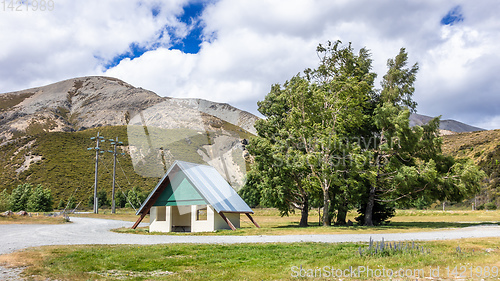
(193, 198)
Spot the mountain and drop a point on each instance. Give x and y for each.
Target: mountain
(45, 132)
(446, 126)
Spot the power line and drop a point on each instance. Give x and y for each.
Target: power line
(98, 139)
(126, 197)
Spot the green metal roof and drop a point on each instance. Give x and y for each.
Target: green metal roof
(195, 184)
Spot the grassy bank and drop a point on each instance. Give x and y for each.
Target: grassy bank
(253, 261)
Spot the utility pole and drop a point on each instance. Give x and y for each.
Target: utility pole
(98, 139)
(114, 143)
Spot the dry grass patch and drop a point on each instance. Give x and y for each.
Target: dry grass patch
(34, 219)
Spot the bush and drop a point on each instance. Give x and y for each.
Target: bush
(136, 197)
(490, 206)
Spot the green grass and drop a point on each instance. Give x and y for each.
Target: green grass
(243, 261)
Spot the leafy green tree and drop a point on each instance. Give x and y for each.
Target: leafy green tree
(304, 142)
(279, 170)
(136, 196)
(40, 200)
(408, 161)
(19, 197)
(250, 192)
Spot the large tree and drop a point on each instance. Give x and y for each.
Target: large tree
(407, 162)
(279, 168)
(330, 132)
(304, 142)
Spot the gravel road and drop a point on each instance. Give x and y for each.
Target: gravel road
(96, 231)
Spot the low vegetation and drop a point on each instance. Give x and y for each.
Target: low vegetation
(477, 258)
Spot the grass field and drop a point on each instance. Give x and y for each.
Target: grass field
(475, 259)
(479, 258)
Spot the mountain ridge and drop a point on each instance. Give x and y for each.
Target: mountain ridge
(446, 126)
(72, 104)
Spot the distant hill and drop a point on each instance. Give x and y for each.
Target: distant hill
(45, 132)
(484, 148)
(445, 125)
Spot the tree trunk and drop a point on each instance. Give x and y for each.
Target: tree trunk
(342, 213)
(326, 207)
(369, 207)
(304, 213)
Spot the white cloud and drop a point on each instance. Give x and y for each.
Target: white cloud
(250, 45)
(39, 47)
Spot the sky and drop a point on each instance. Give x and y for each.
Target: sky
(232, 51)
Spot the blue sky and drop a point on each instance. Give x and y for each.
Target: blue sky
(233, 50)
(189, 44)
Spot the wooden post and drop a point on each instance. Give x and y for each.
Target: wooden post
(254, 222)
(227, 221)
(139, 220)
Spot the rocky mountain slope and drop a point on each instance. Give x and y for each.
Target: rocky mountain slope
(159, 129)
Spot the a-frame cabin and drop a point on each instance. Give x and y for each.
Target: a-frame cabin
(193, 198)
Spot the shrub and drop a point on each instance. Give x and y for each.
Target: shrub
(490, 206)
